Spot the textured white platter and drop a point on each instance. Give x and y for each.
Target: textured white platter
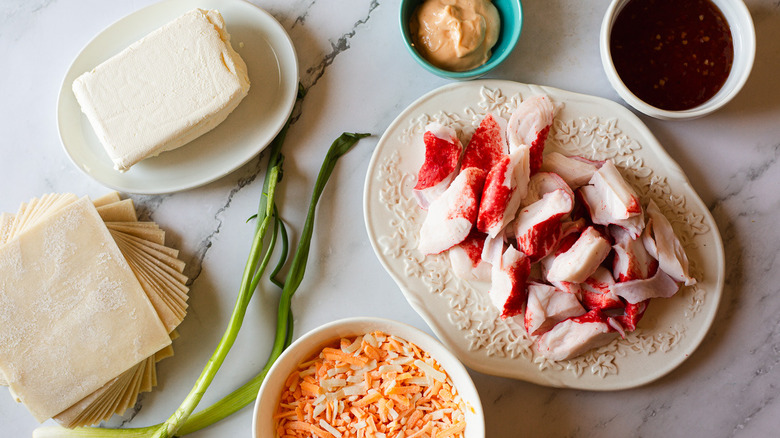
(273, 71)
(460, 312)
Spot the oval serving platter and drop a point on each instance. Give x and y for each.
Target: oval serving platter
(460, 312)
(273, 72)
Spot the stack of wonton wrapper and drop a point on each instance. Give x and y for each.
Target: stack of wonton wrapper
(89, 300)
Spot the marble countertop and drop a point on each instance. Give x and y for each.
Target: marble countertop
(359, 77)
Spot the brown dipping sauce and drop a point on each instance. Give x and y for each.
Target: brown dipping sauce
(672, 54)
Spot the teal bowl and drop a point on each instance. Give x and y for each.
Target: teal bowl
(511, 14)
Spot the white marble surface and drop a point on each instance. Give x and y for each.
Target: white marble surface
(359, 77)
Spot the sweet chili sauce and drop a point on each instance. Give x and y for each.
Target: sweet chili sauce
(672, 54)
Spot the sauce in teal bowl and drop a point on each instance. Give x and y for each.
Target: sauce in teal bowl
(511, 16)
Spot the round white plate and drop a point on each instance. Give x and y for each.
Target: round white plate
(273, 71)
(460, 312)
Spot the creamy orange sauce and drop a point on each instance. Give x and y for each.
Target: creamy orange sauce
(455, 35)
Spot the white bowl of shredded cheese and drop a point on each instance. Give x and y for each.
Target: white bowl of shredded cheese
(368, 377)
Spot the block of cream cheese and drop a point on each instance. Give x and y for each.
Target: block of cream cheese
(163, 91)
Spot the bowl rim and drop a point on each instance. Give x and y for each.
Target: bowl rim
(742, 25)
(476, 72)
(314, 339)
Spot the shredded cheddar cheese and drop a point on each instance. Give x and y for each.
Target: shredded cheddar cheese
(371, 386)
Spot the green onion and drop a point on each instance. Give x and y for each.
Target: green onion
(284, 321)
(183, 421)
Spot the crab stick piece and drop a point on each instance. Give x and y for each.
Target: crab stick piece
(452, 215)
(466, 258)
(487, 145)
(659, 285)
(529, 126)
(576, 171)
(570, 232)
(542, 183)
(582, 259)
(442, 156)
(631, 261)
(508, 286)
(631, 315)
(548, 306)
(620, 198)
(575, 336)
(610, 200)
(597, 291)
(661, 242)
(538, 226)
(505, 187)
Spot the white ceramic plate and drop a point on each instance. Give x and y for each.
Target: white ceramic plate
(460, 312)
(273, 71)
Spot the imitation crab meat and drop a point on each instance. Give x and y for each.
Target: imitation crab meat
(610, 200)
(575, 336)
(508, 287)
(451, 216)
(442, 155)
(466, 258)
(542, 183)
(597, 292)
(619, 198)
(501, 206)
(575, 171)
(529, 125)
(505, 187)
(488, 144)
(570, 232)
(537, 227)
(548, 306)
(661, 242)
(632, 314)
(631, 261)
(582, 259)
(659, 285)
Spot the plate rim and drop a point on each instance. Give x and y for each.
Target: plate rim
(672, 168)
(288, 70)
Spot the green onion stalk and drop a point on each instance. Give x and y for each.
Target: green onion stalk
(183, 421)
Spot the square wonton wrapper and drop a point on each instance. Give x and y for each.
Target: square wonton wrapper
(72, 314)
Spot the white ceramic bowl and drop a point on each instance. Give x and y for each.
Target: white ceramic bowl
(309, 344)
(744, 38)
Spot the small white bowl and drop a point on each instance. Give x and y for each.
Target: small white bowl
(743, 36)
(263, 425)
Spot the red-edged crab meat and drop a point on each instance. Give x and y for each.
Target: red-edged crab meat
(659, 285)
(661, 242)
(631, 260)
(575, 336)
(597, 291)
(570, 232)
(529, 125)
(542, 183)
(451, 216)
(631, 315)
(581, 260)
(505, 187)
(509, 275)
(576, 171)
(487, 145)
(548, 306)
(610, 200)
(537, 227)
(466, 258)
(442, 156)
